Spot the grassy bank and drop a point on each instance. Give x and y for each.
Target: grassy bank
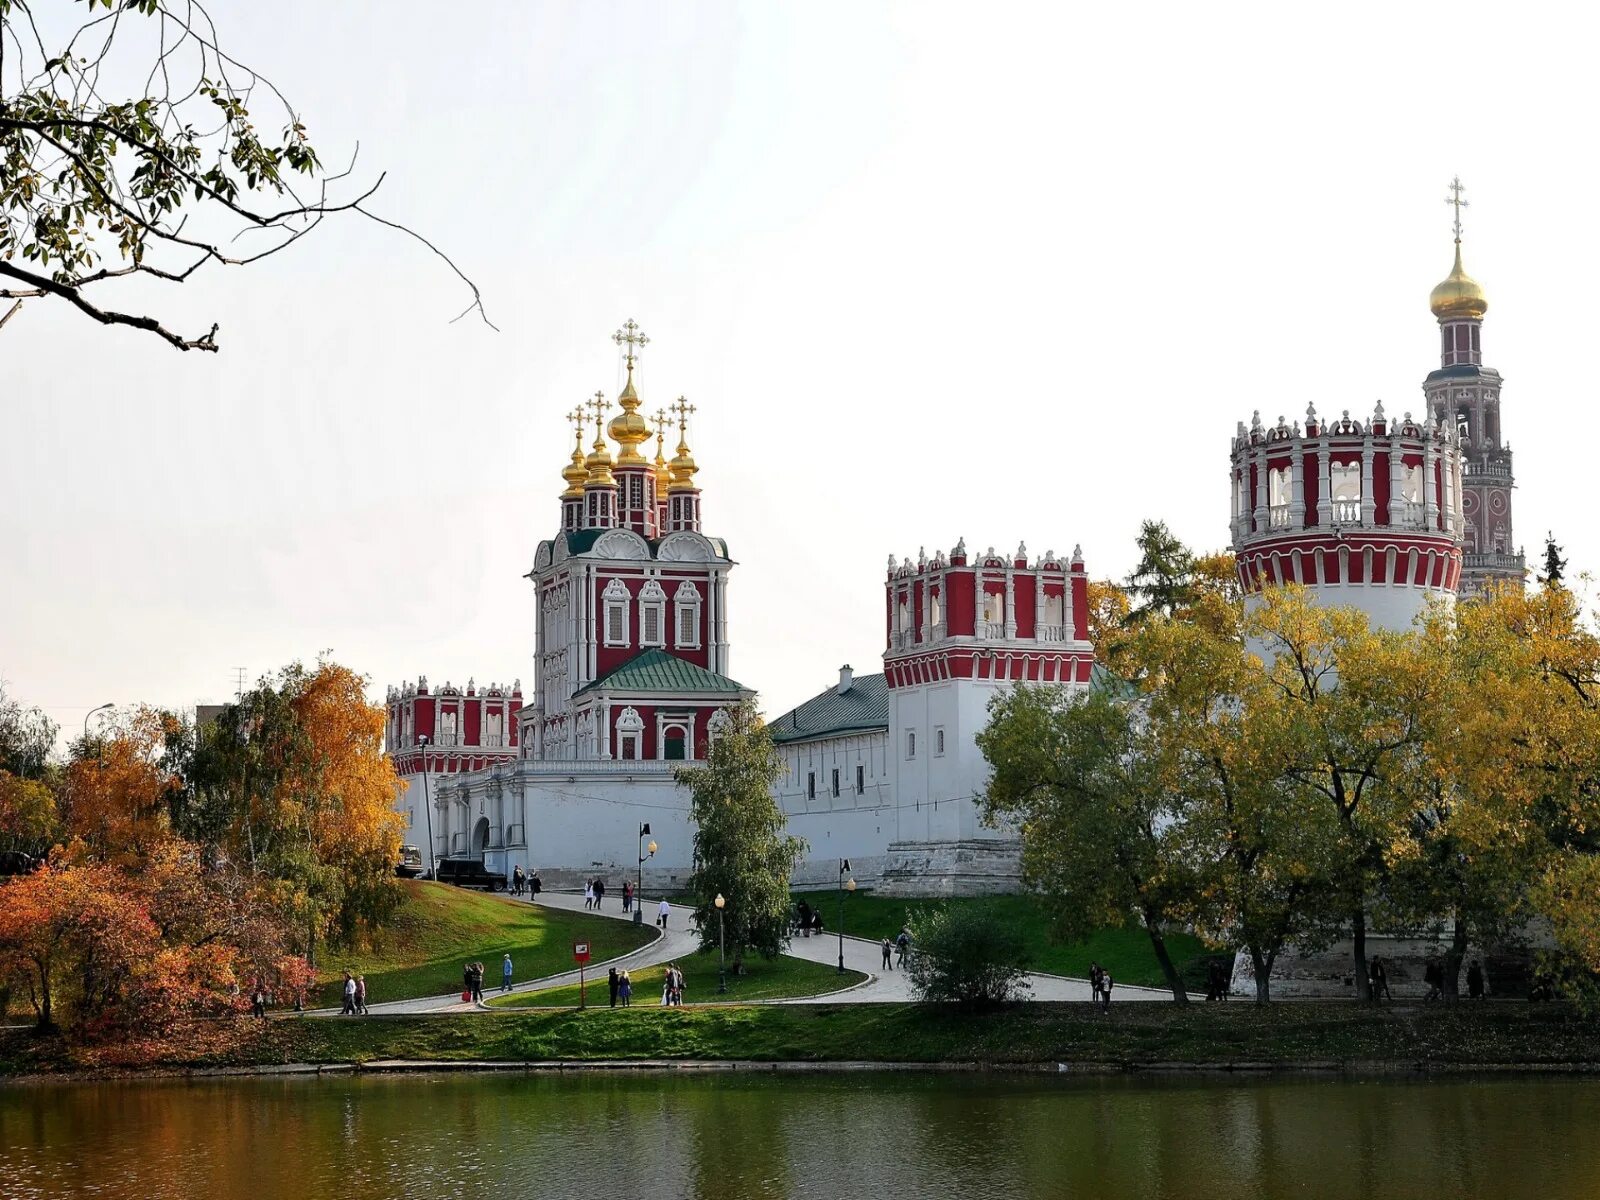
(438, 928)
(1131, 1036)
(780, 978)
(1125, 952)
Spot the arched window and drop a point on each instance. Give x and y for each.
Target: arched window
(652, 615)
(686, 616)
(911, 743)
(615, 600)
(630, 734)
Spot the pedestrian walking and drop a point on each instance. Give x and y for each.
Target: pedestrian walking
(1379, 978)
(902, 945)
(477, 982)
(1095, 976)
(361, 994)
(627, 896)
(625, 988)
(599, 891)
(675, 981)
(614, 983)
(588, 893)
(538, 885)
(1475, 989)
(1105, 990)
(518, 880)
(661, 913)
(1433, 976)
(258, 1001)
(349, 1009)
(888, 948)
(505, 973)
(804, 913)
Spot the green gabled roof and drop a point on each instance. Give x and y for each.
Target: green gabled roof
(655, 670)
(861, 707)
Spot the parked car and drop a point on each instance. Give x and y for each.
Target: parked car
(470, 872)
(410, 864)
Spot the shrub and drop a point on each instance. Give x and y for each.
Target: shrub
(966, 955)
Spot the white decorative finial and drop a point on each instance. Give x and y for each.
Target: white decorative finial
(892, 564)
(961, 547)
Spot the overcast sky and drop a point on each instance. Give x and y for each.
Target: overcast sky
(928, 271)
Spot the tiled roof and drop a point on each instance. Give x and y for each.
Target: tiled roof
(655, 670)
(863, 706)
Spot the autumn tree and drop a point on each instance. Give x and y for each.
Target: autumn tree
(28, 818)
(293, 783)
(741, 851)
(117, 790)
(1088, 787)
(132, 143)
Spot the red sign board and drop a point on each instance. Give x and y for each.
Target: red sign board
(580, 952)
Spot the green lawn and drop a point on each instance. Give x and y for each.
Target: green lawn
(780, 978)
(440, 928)
(1125, 952)
(1129, 1036)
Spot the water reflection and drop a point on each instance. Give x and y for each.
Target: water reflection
(719, 1136)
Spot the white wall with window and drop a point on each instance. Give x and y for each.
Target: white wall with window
(652, 615)
(615, 602)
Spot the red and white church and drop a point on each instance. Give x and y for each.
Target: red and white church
(631, 679)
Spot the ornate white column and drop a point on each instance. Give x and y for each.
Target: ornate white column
(977, 602)
(1297, 487)
(1324, 484)
(1368, 503)
(1430, 495)
(1258, 459)
(602, 733)
(1397, 477)
(1011, 603)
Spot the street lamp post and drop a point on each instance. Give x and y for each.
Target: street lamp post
(845, 885)
(427, 806)
(722, 953)
(638, 892)
(90, 713)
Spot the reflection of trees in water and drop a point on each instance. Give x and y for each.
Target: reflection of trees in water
(732, 1136)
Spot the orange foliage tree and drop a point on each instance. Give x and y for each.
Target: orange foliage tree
(116, 792)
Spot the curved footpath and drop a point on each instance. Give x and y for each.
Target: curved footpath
(679, 941)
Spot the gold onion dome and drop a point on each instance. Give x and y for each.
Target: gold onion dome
(1459, 295)
(628, 428)
(576, 471)
(682, 469)
(599, 463)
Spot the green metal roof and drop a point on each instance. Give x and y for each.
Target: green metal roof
(863, 706)
(655, 670)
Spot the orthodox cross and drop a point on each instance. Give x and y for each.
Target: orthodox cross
(631, 337)
(683, 408)
(576, 416)
(1455, 199)
(661, 428)
(598, 407)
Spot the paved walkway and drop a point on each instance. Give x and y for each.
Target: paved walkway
(679, 941)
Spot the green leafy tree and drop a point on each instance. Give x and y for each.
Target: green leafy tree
(967, 956)
(1164, 580)
(1087, 784)
(160, 182)
(1555, 567)
(27, 736)
(741, 851)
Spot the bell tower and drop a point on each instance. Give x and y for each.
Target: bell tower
(1465, 395)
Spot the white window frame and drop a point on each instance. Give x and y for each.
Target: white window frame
(652, 603)
(938, 741)
(686, 605)
(616, 599)
(664, 724)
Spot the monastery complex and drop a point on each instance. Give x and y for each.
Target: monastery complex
(634, 624)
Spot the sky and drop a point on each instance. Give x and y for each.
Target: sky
(928, 271)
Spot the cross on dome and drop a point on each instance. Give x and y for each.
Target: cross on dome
(596, 404)
(682, 408)
(1455, 200)
(632, 338)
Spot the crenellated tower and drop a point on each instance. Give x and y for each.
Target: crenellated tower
(1465, 395)
(1364, 513)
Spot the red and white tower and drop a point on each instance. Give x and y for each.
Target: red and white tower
(633, 651)
(1465, 395)
(959, 631)
(1364, 513)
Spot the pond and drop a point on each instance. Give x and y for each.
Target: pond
(876, 1135)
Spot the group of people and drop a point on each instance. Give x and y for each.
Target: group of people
(807, 920)
(672, 986)
(620, 984)
(899, 946)
(472, 980)
(1433, 976)
(1100, 982)
(594, 891)
(1218, 979)
(524, 884)
(355, 997)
